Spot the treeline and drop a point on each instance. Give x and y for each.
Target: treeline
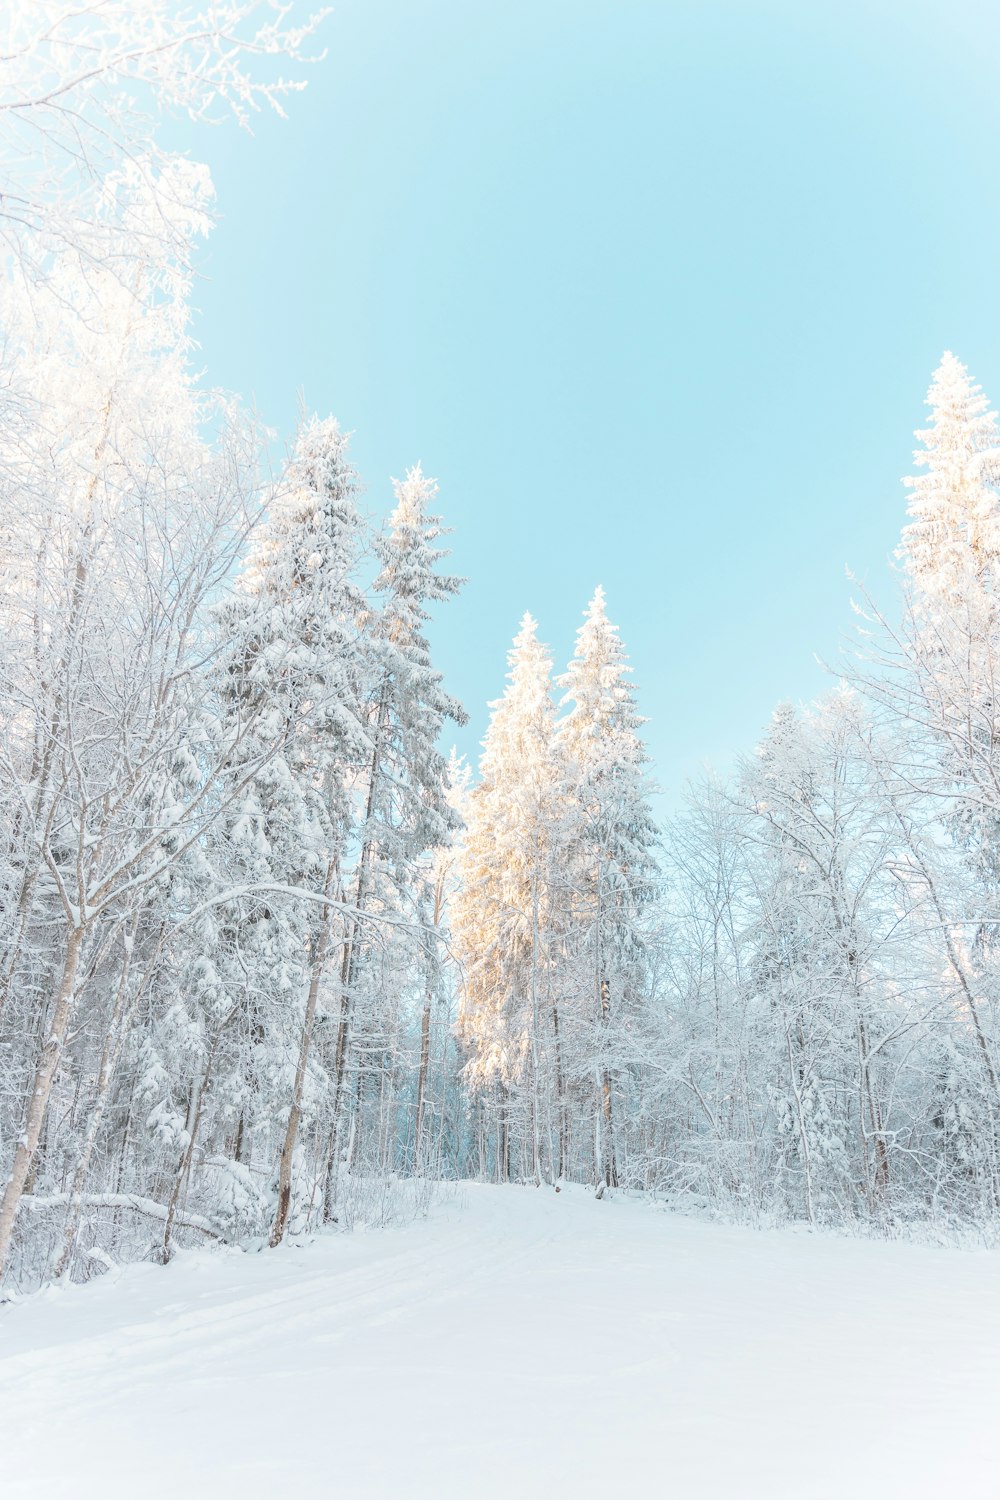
(218, 802)
(265, 953)
(804, 1021)
(239, 904)
(823, 1039)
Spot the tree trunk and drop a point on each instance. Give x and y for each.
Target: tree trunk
(349, 959)
(607, 1165)
(181, 1177)
(425, 1056)
(536, 1163)
(503, 1136)
(881, 1183)
(110, 1054)
(41, 1091)
(796, 1079)
(305, 1044)
(560, 1097)
(425, 1027)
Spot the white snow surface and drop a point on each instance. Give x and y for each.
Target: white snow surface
(517, 1343)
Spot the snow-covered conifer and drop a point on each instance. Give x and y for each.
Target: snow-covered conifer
(953, 539)
(506, 913)
(610, 842)
(402, 799)
(293, 659)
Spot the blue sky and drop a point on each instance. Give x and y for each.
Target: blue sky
(654, 288)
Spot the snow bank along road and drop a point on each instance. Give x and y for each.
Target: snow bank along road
(520, 1343)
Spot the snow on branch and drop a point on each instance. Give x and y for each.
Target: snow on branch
(133, 1201)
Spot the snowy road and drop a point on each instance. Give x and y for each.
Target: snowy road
(518, 1344)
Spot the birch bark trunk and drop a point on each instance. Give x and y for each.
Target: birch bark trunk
(41, 1091)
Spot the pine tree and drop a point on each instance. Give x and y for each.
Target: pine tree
(611, 841)
(944, 703)
(403, 790)
(952, 544)
(506, 913)
(295, 659)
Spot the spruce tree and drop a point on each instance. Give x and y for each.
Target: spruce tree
(401, 793)
(295, 662)
(611, 841)
(952, 543)
(506, 913)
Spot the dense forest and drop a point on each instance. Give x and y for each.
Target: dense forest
(271, 960)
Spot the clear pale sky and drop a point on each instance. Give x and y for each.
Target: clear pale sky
(655, 289)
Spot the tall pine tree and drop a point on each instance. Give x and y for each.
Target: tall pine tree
(611, 853)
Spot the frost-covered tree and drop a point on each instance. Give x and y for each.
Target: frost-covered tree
(610, 865)
(953, 538)
(402, 799)
(294, 662)
(435, 901)
(234, 882)
(947, 650)
(224, 813)
(104, 628)
(82, 87)
(933, 685)
(505, 918)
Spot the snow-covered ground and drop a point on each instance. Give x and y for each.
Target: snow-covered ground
(519, 1343)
